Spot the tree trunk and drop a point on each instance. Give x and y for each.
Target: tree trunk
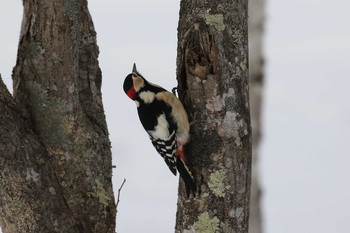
(256, 60)
(212, 71)
(55, 156)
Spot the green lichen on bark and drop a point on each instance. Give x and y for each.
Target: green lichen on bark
(243, 65)
(206, 224)
(100, 193)
(216, 183)
(216, 20)
(55, 58)
(36, 50)
(44, 107)
(32, 30)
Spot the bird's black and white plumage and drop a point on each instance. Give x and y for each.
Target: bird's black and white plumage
(165, 120)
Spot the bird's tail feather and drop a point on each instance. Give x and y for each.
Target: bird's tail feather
(187, 177)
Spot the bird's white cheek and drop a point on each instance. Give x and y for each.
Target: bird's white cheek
(137, 103)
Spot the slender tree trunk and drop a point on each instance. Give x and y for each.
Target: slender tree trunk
(256, 76)
(55, 156)
(212, 71)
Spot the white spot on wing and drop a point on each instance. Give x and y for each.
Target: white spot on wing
(147, 96)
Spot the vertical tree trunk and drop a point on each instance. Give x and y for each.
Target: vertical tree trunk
(31, 199)
(212, 71)
(61, 174)
(256, 21)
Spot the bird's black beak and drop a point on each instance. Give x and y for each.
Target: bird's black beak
(134, 70)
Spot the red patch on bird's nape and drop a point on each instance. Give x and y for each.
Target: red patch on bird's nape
(131, 93)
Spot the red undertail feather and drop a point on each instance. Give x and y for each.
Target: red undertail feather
(180, 153)
(185, 173)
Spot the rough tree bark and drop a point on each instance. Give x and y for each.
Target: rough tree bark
(55, 155)
(256, 12)
(212, 72)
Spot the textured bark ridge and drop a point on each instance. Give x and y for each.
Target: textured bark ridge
(61, 138)
(212, 71)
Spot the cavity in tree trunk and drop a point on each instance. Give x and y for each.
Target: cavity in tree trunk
(55, 153)
(212, 71)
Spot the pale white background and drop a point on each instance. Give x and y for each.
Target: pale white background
(305, 151)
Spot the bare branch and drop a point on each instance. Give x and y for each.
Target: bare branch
(118, 198)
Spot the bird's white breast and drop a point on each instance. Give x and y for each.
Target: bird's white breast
(161, 131)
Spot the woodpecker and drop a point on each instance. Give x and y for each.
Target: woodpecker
(165, 120)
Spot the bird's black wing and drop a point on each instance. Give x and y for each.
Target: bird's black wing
(166, 147)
